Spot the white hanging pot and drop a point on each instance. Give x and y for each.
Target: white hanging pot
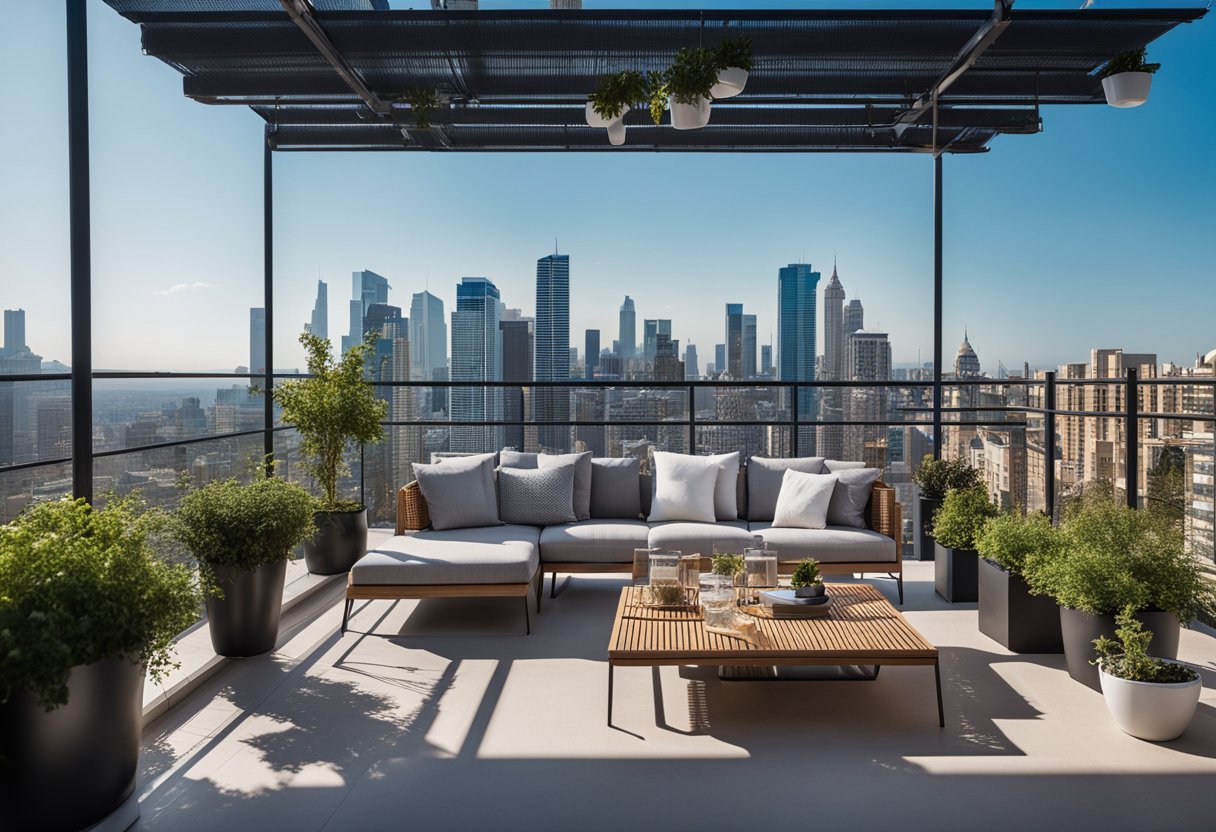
(594, 119)
(616, 133)
(731, 82)
(1127, 89)
(690, 116)
(1150, 710)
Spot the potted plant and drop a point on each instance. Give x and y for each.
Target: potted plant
(330, 409)
(617, 93)
(1149, 698)
(1126, 78)
(242, 537)
(733, 59)
(423, 101)
(933, 478)
(1111, 556)
(731, 566)
(1008, 613)
(86, 609)
(689, 81)
(956, 526)
(657, 96)
(806, 580)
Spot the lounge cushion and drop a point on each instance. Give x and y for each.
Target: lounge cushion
(516, 459)
(764, 481)
(685, 487)
(851, 496)
(835, 544)
(729, 536)
(803, 502)
(614, 488)
(594, 541)
(834, 465)
(582, 478)
(486, 555)
(459, 492)
(539, 497)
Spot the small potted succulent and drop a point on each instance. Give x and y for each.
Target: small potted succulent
(1126, 78)
(689, 81)
(733, 59)
(956, 526)
(806, 580)
(1009, 614)
(1149, 698)
(607, 106)
(933, 478)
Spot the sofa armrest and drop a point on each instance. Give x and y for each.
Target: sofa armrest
(887, 515)
(412, 513)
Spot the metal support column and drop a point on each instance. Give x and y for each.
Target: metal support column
(692, 419)
(794, 418)
(1049, 444)
(937, 307)
(79, 236)
(1131, 433)
(268, 301)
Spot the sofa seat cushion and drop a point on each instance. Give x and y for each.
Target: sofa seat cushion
(729, 536)
(835, 544)
(480, 555)
(593, 541)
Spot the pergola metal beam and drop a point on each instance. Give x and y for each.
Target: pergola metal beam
(301, 13)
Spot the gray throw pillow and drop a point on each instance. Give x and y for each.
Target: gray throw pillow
(459, 492)
(764, 476)
(536, 497)
(582, 478)
(516, 459)
(849, 498)
(834, 465)
(614, 488)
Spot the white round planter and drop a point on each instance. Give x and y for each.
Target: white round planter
(1148, 710)
(1127, 89)
(616, 133)
(690, 116)
(731, 82)
(595, 120)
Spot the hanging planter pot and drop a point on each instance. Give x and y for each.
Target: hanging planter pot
(690, 116)
(731, 82)
(1127, 89)
(594, 119)
(689, 81)
(733, 61)
(616, 133)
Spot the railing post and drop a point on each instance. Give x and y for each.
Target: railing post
(1131, 431)
(692, 419)
(268, 304)
(1049, 443)
(794, 419)
(80, 243)
(937, 306)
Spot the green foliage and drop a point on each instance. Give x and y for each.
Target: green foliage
(734, 52)
(656, 95)
(1128, 657)
(727, 564)
(1166, 497)
(668, 595)
(225, 523)
(331, 408)
(1019, 542)
(936, 477)
(78, 585)
(691, 76)
(617, 91)
(806, 573)
(962, 516)
(423, 101)
(1130, 60)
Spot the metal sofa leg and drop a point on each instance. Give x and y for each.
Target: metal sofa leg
(527, 617)
(346, 608)
(553, 585)
(899, 579)
(540, 589)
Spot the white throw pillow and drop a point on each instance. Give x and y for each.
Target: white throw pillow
(726, 491)
(684, 487)
(803, 501)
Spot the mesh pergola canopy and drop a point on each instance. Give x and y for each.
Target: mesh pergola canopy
(822, 80)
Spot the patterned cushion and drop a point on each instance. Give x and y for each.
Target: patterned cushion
(582, 478)
(536, 496)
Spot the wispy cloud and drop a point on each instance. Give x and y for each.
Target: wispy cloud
(184, 287)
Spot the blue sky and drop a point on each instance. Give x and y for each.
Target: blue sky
(1098, 232)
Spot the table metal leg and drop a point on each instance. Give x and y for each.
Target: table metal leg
(611, 675)
(937, 677)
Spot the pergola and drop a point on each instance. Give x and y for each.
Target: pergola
(333, 75)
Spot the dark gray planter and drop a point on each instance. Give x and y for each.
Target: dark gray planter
(341, 540)
(245, 621)
(69, 768)
(1012, 617)
(1079, 630)
(924, 540)
(955, 574)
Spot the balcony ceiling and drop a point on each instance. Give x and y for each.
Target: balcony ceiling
(823, 80)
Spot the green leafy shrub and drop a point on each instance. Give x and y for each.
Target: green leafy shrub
(734, 52)
(78, 585)
(1018, 541)
(617, 91)
(692, 75)
(806, 573)
(727, 564)
(1128, 658)
(423, 101)
(656, 95)
(228, 524)
(959, 521)
(332, 407)
(1129, 60)
(936, 477)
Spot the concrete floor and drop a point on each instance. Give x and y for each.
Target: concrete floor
(448, 717)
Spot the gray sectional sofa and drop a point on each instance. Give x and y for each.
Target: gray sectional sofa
(510, 560)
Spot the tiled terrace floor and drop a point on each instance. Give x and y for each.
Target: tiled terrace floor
(448, 717)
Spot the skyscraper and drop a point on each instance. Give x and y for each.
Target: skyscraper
(517, 347)
(429, 348)
(719, 358)
(257, 340)
(366, 288)
(734, 341)
(475, 357)
(854, 317)
(628, 329)
(692, 369)
(652, 331)
(318, 324)
(867, 358)
(14, 331)
(749, 346)
(796, 287)
(553, 349)
(766, 360)
(833, 327)
(591, 350)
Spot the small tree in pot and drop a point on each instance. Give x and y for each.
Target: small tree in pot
(1009, 614)
(934, 478)
(242, 537)
(86, 606)
(806, 580)
(331, 409)
(956, 526)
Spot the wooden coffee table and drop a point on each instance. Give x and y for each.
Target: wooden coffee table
(862, 629)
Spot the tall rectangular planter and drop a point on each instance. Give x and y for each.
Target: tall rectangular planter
(924, 534)
(955, 574)
(1012, 617)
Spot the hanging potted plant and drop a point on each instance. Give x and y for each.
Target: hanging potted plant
(332, 408)
(423, 102)
(656, 95)
(607, 106)
(1126, 78)
(242, 537)
(933, 478)
(1009, 614)
(733, 60)
(689, 81)
(86, 609)
(1149, 698)
(955, 528)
